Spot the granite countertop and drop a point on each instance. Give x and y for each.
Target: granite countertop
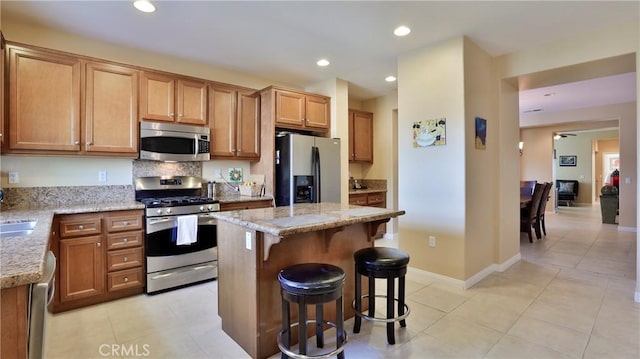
(22, 258)
(300, 218)
(368, 190)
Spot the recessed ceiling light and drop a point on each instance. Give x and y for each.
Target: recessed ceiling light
(144, 6)
(401, 31)
(323, 62)
(390, 78)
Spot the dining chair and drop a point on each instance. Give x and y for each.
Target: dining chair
(529, 214)
(541, 209)
(526, 187)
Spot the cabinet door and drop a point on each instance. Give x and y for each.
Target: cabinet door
(82, 271)
(2, 93)
(157, 97)
(192, 102)
(362, 136)
(44, 90)
(290, 108)
(248, 125)
(111, 114)
(317, 112)
(222, 121)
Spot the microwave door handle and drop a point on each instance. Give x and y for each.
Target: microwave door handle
(197, 143)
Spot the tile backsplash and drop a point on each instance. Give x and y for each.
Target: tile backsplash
(28, 197)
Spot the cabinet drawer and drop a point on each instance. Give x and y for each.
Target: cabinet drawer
(124, 258)
(375, 198)
(124, 279)
(124, 240)
(124, 221)
(73, 226)
(358, 199)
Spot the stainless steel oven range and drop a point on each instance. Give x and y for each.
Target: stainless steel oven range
(180, 239)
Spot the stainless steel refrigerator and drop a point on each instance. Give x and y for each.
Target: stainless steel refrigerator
(307, 169)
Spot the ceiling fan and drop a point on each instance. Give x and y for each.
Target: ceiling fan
(559, 135)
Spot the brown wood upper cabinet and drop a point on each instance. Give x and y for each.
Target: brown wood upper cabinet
(3, 92)
(45, 109)
(234, 119)
(164, 97)
(44, 100)
(360, 136)
(302, 110)
(111, 111)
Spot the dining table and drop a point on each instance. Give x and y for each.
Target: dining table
(525, 199)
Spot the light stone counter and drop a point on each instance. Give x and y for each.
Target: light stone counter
(300, 218)
(22, 258)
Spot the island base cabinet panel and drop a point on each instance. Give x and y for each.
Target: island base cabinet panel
(237, 290)
(257, 279)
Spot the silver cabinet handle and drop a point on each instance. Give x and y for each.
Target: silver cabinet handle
(125, 259)
(89, 143)
(125, 240)
(98, 244)
(125, 223)
(126, 279)
(80, 227)
(76, 143)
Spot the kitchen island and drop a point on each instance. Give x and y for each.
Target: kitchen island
(254, 245)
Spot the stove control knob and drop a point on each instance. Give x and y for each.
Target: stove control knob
(210, 207)
(168, 210)
(159, 211)
(201, 208)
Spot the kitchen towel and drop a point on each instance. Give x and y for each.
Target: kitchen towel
(187, 230)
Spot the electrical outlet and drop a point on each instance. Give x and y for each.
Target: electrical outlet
(218, 173)
(247, 240)
(102, 176)
(432, 241)
(14, 177)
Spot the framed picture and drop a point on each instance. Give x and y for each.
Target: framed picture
(565, 161)
(481, 133)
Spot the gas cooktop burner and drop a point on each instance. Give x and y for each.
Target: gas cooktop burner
(176, 201)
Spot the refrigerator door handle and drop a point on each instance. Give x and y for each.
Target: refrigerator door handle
(315, 165)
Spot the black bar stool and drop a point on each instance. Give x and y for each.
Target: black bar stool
(309, 284)
(381, 262)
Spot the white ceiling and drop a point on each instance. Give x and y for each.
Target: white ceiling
(281, 41)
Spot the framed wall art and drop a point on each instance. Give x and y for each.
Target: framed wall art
(567, 161)
(430, 132)
(481, 133)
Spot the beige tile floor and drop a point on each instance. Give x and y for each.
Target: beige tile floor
(571, 296)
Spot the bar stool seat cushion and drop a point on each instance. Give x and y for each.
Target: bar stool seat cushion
(380, 259)
(311, 278)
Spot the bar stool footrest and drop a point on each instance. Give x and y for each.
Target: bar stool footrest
(377, 319)
(291, 354)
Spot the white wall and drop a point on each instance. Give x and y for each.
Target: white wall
(432, 179)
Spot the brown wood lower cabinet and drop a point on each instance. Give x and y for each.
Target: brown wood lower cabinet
(371, 199)
(100, 257)
(13, 322)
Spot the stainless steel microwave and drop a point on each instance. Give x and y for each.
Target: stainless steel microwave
(173, 142)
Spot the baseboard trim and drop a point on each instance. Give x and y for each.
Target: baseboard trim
(426, 277)
(627, 229)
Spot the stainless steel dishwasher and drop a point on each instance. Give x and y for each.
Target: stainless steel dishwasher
(40, 296)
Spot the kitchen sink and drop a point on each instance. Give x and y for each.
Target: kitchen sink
(17, 228)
